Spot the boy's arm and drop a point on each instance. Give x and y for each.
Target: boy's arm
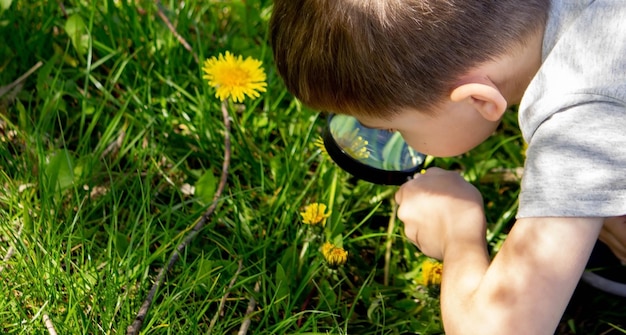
(527, 286)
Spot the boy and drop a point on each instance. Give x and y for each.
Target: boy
(442, 73)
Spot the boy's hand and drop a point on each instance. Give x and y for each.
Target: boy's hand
(613, 234)
(438, 208)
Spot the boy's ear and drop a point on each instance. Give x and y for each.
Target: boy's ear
(485, 98)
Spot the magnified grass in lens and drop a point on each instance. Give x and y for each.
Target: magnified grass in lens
(354, 145)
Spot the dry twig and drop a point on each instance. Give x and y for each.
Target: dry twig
(172, 29)
(49, 325)
(504, 176)
(5, 89)
(143, 311)
(251, 306)
(62, 7)
(220, 309)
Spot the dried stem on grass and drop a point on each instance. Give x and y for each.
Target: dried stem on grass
(6, 89)
(251, 306)
(143, 311)
(49, 325)
(220, 309)
(172, 29)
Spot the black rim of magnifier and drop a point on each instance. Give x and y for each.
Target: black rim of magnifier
(360, 170)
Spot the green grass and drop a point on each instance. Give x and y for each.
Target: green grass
(100, 145)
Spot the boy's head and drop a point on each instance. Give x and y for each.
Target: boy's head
(375, 58)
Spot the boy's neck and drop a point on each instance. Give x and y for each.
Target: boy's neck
(518, 69)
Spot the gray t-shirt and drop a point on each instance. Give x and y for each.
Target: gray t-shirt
(573, 114)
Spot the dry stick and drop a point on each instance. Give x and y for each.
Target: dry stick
(143, 311)
(305, 304)
(504, 176)
(7, 88)
(608, 330)
(49, 325)
(171, 27)
(251, 305)
(62, 7)
(220, 310)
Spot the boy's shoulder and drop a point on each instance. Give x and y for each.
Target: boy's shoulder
(582, 59)
(573, 106)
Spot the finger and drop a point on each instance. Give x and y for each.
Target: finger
(610, 239)
(616, 246)
(615, 226)
(613, 234)
(398, 196)
(411, 234)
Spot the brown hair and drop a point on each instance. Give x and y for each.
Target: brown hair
(375, 57)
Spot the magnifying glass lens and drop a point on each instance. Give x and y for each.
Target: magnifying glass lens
(374, 155)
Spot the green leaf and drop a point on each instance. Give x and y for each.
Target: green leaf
(206, 187)
(77, 31)
(282, 285)
(328, 295)
(45, 78)
(22, 116)
(5, 4)
(59, 170)
(205, 265)
(121, 243)
(338, 239)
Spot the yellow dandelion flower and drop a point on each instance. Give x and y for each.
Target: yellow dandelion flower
(319, 143)
(326, 248)
(335, 256)
(314, 213)
(233, 77)
(431, 272)
(354, 145)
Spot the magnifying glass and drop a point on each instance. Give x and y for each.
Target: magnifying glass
(375, 155)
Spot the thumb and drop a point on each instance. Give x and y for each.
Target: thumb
(398, 196)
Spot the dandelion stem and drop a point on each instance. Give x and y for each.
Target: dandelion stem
(303, 251)
(328, 229)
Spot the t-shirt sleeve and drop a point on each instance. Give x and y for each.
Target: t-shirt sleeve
(576, 161)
